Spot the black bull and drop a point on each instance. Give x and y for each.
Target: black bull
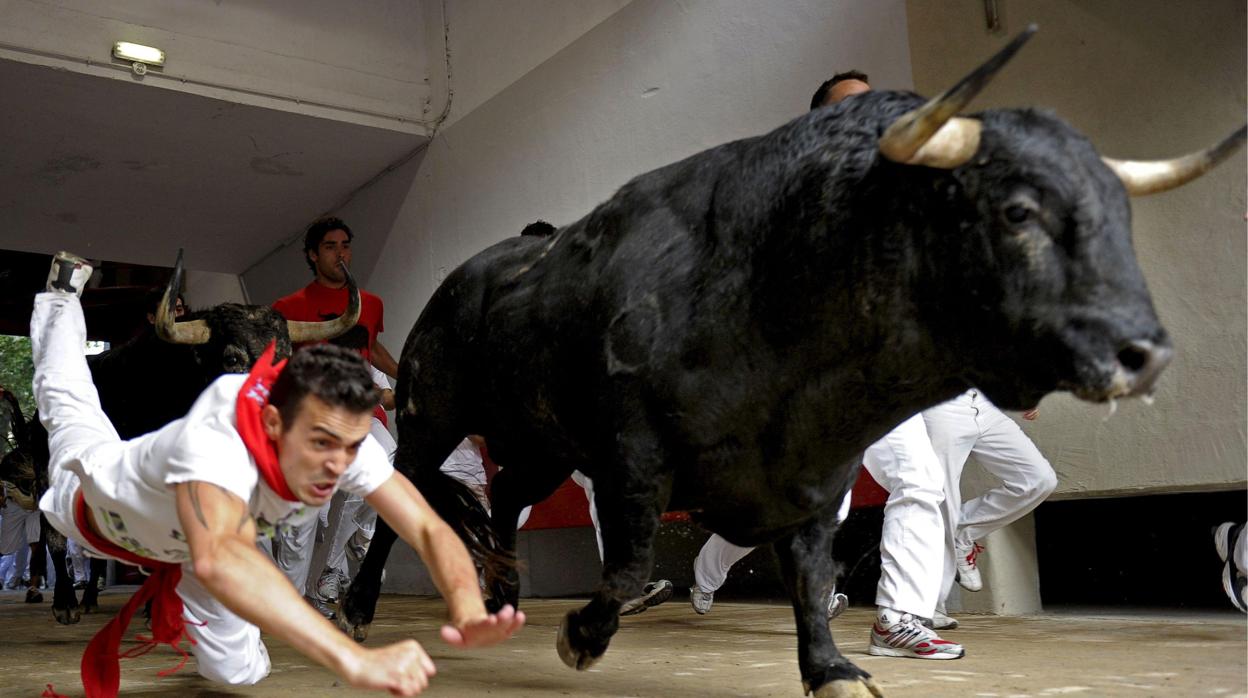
(727, 334)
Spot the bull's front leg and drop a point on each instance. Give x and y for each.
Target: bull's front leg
(356, 607)
(809, 573)
(628, 513)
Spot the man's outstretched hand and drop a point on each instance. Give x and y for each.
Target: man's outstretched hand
(483, 632)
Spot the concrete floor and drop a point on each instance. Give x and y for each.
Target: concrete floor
(737, 650)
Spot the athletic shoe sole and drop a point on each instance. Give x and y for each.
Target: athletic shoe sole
(878, 651)
(1233, 584)
(659, 593)
(1222, 539)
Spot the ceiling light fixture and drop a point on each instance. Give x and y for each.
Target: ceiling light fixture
(138, 55)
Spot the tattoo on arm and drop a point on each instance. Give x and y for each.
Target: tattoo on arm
(193, 491)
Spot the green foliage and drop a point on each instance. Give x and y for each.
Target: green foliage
(17, 370)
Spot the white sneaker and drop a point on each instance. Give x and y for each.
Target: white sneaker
(968, 571)
(837, 603)
(357, 546)
(652, 594)
(897, 634)
(701, 600)
(940, 621)
(69, 273)
(330, 584)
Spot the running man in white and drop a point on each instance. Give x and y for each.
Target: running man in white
(189, 500)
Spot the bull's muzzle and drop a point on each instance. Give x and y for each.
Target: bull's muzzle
(1139, 363)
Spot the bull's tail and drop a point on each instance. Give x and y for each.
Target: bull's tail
(458, 505)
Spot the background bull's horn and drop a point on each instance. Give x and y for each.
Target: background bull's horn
(1142, 177)
(321, 331)
(907, 135)
(167, 328)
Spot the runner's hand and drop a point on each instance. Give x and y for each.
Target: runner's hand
(403, 669)
(488, 630)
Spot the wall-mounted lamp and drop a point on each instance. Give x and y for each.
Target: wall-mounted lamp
(138, 55)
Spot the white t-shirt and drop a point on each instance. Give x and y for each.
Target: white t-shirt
(130, 490)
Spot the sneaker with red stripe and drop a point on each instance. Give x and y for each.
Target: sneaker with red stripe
(967, 555)
(897, 634)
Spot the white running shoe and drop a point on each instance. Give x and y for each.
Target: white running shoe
(330, 584)
(968, 570)
(940, 621)
(701, 600)
(652, 594)
(69, 273)
(897, 634)
(837, 603)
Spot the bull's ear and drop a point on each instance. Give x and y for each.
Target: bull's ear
(930, 135)
(1143, 177)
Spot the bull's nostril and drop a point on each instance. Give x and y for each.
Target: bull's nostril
(1135, 356)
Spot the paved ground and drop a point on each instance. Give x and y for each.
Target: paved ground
(737, 650)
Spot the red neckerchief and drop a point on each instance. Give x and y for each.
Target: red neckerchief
(252, 398)
(101, 668)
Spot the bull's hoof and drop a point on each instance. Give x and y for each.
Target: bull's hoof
(358, 630)
(34, 596)
(67, 616)
(577, 659)
(90, 607)
(850, 688)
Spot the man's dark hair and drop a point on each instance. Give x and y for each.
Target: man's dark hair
(337, 376)
(539, 229)
(822, 93)
(317, 231)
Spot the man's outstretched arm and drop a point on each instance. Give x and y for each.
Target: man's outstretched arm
(222, 534)
(406, 511)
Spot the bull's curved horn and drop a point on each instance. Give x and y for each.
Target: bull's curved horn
(190, 332)
(930, 135)
(1143, 177)
(328, 329)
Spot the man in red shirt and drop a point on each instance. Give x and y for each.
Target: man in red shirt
(326, 243)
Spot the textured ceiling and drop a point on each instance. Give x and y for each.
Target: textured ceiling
(122, 171)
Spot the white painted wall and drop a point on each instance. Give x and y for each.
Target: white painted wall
(493, 44)
(205, 288)
(1143, 79)
(367, 57)
(654, 82)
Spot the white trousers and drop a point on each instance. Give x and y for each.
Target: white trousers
(970, 424)
(355, 514)
(226, 648)
(76, 561)
(717, 556)
(18, 528)
(912, 541)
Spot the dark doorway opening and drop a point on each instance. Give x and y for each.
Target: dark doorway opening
(1152, 551)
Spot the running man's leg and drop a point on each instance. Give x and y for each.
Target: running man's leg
(912, 542)
(1007, 454)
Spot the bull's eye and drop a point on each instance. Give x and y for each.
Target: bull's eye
(1017, 213)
